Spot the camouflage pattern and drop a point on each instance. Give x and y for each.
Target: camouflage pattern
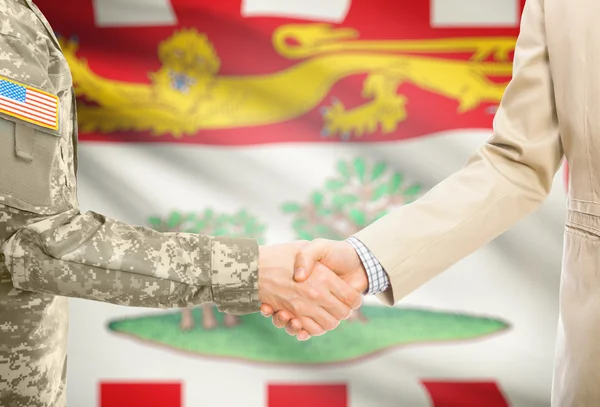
(50, 250)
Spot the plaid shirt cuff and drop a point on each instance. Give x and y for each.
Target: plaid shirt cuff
(378, 278)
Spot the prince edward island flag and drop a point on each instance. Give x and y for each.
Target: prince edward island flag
(297, 119)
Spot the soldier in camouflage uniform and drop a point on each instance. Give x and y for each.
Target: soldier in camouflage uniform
(50, 250)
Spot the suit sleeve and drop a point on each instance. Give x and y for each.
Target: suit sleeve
(505, 180)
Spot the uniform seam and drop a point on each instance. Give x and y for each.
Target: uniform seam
(585, 124)
(583, 213)
(584, 201)
(14, 36)
(12, 267)
(213, 292)
(582, 226)
(8, 194)
(583, 235)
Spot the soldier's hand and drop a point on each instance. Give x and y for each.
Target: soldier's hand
(318, 304)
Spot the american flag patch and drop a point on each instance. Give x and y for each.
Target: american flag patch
(29, 104)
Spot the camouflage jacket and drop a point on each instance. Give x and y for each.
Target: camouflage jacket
(48, 245)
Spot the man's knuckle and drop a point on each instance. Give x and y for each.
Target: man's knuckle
(343, 312)
(297, 308)
(316, 331)
(323, 279)
(313, 293)
(331, 325)
(351, 298)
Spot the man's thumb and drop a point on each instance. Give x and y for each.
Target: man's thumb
(306, 259)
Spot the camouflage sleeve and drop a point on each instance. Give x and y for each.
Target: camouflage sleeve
(50, 246)
(93, 257)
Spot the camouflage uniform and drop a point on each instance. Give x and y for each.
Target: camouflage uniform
(49, 250)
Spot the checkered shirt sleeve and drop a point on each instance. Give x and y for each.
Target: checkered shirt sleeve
(378, 278)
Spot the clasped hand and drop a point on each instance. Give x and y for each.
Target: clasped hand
(309, 287)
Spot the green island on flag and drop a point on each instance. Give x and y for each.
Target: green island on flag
(360, 192)
(255, 339)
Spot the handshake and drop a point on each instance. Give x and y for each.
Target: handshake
(309, 287)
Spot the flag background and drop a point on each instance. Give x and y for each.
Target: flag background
(269, 171)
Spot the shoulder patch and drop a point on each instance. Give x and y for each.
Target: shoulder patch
(28, 104)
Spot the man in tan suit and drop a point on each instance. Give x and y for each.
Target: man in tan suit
(550, 109)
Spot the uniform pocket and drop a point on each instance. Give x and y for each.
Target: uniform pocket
(28, 157)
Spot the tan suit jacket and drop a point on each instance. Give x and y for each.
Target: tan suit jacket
(550, 109)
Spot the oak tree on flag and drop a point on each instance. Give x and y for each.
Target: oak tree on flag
(361, 192)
